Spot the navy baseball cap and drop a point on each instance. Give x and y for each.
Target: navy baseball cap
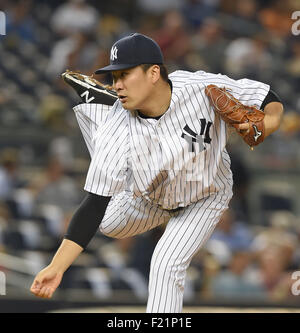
(133, 50)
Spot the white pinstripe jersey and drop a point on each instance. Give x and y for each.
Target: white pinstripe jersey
(176, 160)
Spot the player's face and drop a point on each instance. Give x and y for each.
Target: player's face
(133, 87)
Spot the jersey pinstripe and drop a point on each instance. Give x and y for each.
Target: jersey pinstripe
(176, 160)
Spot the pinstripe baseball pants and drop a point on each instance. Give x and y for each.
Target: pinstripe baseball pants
(185, 233)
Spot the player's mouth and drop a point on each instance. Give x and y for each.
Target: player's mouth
(122, 98)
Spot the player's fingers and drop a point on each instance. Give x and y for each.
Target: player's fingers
(48, 293)
(51, 292)
(35, 287)
(39, 292)
(43, 292)
(243, 127)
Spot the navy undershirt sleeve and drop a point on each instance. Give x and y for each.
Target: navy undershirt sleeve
(271, 97)
(86, 220)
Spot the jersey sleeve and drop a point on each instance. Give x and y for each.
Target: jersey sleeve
(89, 118)
(248, 92)
(107, 172)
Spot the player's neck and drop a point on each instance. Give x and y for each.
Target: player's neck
(159, 101)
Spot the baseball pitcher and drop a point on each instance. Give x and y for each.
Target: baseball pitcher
(158, 155)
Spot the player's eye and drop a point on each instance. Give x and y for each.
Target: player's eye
(121, 75)
(115, 78)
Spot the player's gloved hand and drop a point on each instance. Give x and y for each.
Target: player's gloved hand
(89, 89)
(46, 282)
(247, 120)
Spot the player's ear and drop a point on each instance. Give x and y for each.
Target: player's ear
(155, 73)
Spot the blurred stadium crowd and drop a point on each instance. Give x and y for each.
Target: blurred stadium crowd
(255, 248)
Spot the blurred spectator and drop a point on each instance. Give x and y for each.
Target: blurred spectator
(195, 12)
(239, 280)
(52, 113)
(77, 52)
(119, 256)
(204, 267)
(127, 10)
(242, 21)
(284, 153)
(276, 18)
(280, 232)
(4, 214)
(19, 23)
(10, 238)
(248, 57)
(74, 16)
(61, 147)
(55, 196)
(55, 187)
(111, 28)
(157, 7)
(236, 235)
(173, 38)
(293, 63)
(241, 181)
(10, 179)
(8, 173)
(274, 249)
(273, 264)
(209, 44)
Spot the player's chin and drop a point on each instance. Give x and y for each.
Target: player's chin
(128, 106)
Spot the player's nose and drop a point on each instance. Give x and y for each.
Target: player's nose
(118, 85)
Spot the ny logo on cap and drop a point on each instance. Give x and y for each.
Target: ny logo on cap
(113, 53)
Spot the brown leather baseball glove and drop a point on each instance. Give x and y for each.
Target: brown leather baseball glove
(234, 113)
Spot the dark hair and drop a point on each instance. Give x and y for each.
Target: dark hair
(163, 70)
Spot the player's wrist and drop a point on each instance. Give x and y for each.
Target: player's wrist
(272, 120)
(58, 267)
(65, 255)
